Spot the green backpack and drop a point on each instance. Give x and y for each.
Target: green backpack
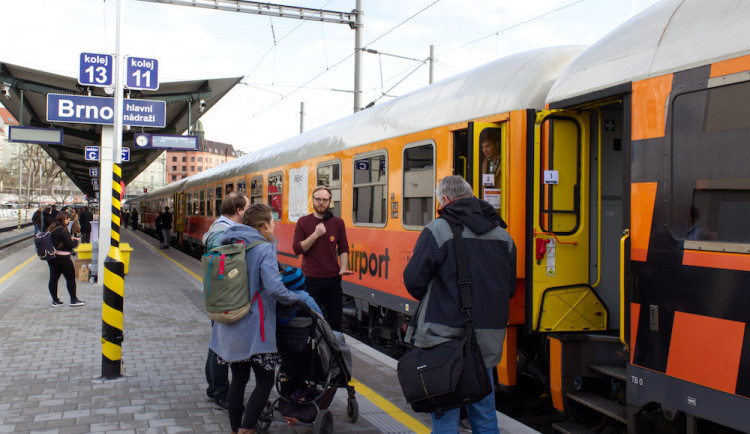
(225, 284)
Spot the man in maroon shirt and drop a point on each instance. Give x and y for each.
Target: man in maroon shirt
(320, 238)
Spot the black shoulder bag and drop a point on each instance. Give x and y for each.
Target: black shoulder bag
(453, 373)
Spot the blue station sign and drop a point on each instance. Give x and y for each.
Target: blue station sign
(141, 73)
(96, 70)
(80, 109)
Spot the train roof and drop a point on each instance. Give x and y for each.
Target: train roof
(670, 36)
(515, 82)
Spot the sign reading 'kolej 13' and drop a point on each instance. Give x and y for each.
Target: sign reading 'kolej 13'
(80, 109)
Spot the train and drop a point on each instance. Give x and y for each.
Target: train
(622, 174)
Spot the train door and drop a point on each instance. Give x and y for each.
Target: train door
(479, 157)
(560, 293)
(179, 216)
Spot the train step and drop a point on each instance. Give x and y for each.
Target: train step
(571, 428)
(617, 372)
(601, 405)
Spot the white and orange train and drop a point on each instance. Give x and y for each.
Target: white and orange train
(624, 178)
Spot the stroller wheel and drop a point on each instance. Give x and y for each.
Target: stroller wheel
(352, 409)
(265, 419)
(323, 423)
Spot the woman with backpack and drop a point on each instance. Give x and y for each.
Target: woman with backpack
(62, 264)
(250, 343)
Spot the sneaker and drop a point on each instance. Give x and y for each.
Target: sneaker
(57, 303)
(222, 405)
(77, 302)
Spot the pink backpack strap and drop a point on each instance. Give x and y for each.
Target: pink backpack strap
(262, 325)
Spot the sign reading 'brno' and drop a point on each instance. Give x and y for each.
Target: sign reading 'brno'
(81, 109)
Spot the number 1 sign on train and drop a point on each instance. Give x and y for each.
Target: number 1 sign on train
(142, 74)
(96, 70)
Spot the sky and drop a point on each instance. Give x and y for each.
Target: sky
(285, 62)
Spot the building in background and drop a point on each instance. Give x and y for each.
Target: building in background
(27, 164)
(153, 177)
(181, 164)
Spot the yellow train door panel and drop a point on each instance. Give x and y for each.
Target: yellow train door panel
(561, 296)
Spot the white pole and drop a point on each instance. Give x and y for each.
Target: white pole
(358, 56)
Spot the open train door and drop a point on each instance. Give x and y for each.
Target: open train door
(179, 216)
(559, 293)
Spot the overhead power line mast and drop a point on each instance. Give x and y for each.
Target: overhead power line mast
(353, 19)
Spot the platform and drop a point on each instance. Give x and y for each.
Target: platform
(50, 358)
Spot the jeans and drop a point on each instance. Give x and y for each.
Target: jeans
(37, 229)
(481, 416)
(217, 377)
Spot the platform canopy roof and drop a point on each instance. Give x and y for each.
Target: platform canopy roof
(183, 107)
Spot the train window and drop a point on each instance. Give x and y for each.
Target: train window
(229, 188)
(219, 192)
(275, 190)
(419, 185)
(189, 200)
(209, 202)
(202, 203)
(256, 189)
(370, 189)
(242, 186)
(710, 183)
(329, 174)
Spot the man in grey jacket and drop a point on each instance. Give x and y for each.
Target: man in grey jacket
(431, 277)
(232, 209)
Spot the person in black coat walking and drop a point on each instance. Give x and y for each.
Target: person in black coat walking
(47, 218)
(37, 220)
(166, 227)
(134, 219)
(84, 219)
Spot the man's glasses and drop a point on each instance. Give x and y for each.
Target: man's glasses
(321, 199)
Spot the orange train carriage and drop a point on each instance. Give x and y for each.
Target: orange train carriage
(622, 175)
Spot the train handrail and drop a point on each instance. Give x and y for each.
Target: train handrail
(625, 236)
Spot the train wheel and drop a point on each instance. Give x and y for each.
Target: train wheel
(323, 423)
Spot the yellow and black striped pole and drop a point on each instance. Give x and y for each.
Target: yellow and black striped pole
(114, 290)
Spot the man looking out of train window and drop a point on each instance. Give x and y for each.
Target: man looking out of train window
(320, 238)
(232, 209)
(489, 140)
(431, 276)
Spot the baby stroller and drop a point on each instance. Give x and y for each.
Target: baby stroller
(315, 362)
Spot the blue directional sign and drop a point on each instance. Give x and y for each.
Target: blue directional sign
(95, 181)
(79, 109)
(125, 154)
(141, 73)
(166, 141)
(91, 153)
(94, 172)
(96, 70)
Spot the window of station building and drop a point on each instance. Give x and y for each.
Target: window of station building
(209, 202)
(710, 188)
(329, 174)
(200, 159)
(174, 158)
(370, 189)
(174, 177)
(256, 189)
(192, 159)
(219, 195)
(202, 203)
(200, 168)
(174, 168)
(184, 168)
(419, 185)
(242, 186)
(184, 159)
(275, 196)
(192, 168)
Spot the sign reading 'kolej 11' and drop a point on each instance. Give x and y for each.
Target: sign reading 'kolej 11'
(80, 109)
